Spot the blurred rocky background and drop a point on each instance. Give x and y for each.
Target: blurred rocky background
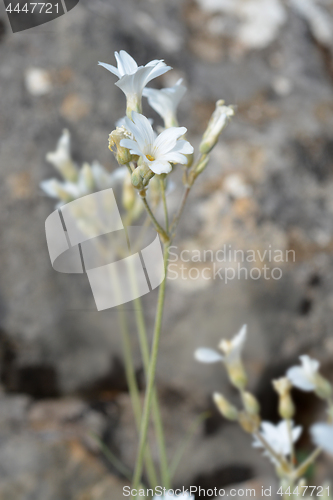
(270, 185)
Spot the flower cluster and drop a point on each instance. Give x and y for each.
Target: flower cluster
(277, 441)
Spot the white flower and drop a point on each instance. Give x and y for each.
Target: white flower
(165, 102)
(304, 377)
(322, 435)
(231, 356)
(230, 348)
(61, 158)
(170, 496)
(90, 179)
(134, 78)
(277, 436)
(156, 152)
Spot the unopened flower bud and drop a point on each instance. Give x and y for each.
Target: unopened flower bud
(218, 121)
(229, 411)
(323, 387)
(283, 387)
(122, 154)
(250, 403)
(141, 177)
(249, 423)
(129, 194)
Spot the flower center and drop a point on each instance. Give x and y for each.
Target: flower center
(150, 158)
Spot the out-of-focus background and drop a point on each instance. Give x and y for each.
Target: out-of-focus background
(269, 185)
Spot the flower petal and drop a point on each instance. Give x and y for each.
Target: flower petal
(166, 141)
(322, 435)
(126, 64)
(110, 68)
(206, 355)
(299, 379)
(160, 167)
(133, 146)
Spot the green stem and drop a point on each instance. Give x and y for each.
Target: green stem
(151, 377)
(134, 394)
(180, 211)
(155, 406)
(301, 470)
(166, 215)
(292, 447)
(165, 238)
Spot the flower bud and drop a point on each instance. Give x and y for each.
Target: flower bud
(250, 403)
(323, 387)
(283, 387)
(229, 411)
(122, 155)
(141, 177)
(237, 374)
(249, 423)
(218, 121)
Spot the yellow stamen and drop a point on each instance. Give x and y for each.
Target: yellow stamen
(150, 158)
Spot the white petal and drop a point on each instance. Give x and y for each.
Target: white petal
(156, 71)
(126, 63)
(174, 157)
(145, 128)
(132, 146)
(166, 141)
(206, 355)
(160, 167)
(299, 379)
(51, 187)
(322, 435)
(310, 365)
(137, 133)
(183, 147)
(111, 68)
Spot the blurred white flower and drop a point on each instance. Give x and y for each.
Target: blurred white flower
(133, 78)
(231, 356)
(322, 435)
(277, 436)
(61, 158)
(171, 496)
(166, 101)
(230, 348)
(90, 179)
(157, 152)
(304, 377)
(206, 355)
